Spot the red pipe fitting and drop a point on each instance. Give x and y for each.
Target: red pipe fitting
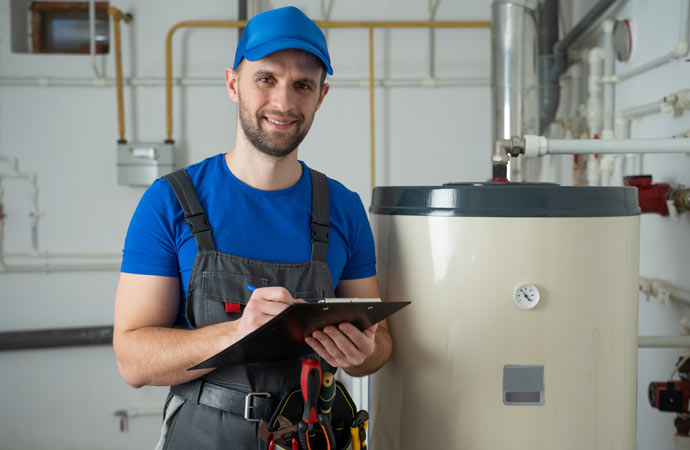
(652, 197)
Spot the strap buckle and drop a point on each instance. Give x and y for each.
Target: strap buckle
(319, 232)
(198, 223)
(248, 404)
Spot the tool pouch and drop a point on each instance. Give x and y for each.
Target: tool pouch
(291, 407)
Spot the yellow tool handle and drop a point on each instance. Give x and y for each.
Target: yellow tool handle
(354, 431)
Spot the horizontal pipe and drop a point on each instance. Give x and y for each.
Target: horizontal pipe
(57, 337)
(50, 255)
(663, 341)
(131, 413)
(642, 110)
(538, 146)
(57, 267)
(44, 82)
(617, 146)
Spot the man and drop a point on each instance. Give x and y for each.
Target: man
(256, 216)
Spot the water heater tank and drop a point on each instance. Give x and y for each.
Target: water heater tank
(522, 333)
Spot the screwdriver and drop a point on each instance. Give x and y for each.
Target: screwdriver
(310, 382)
(327, 394)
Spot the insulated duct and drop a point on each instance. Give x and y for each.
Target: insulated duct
(514, 80)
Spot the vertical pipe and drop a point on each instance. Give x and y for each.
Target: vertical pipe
(371, 107)
(117, 16)
(514, 80)
(609, 62)
(92, 29)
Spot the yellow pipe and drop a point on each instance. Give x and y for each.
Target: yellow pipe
(118, 15)
(328, 24)
(168, 59)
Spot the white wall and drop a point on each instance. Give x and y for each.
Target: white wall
(664, 243)
(65, 398)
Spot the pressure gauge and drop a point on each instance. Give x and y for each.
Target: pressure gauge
(526, 296)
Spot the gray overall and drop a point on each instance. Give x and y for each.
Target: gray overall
(221, 409)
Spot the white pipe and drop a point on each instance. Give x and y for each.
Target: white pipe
(215, 81)
(608, 71)
(50, 255)
(594, 102)
(663, 289)
(663, 341)
(679, 51)
(54, 267)
(539, 145)
(32, 178)
(636, 112)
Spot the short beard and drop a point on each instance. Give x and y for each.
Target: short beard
(260, 139)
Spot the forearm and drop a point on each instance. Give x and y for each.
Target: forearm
(382, 352)
(161, 356)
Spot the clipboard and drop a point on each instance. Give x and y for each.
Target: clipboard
(282, 338)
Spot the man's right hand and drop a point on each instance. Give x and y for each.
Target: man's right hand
(264, 304)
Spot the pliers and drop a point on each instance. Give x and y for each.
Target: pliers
(303, 433)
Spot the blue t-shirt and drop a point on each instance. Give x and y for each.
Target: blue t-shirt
(264, 225)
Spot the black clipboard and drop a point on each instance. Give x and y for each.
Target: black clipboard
(282, 338)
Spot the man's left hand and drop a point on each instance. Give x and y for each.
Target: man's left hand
(344, 345)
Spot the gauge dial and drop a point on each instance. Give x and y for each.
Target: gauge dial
(526, 296)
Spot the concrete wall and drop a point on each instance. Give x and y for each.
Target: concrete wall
(66, 398)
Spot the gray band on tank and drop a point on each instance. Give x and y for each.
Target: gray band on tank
(505, 200)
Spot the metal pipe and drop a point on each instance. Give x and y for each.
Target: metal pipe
(514, 79)
(582, 26)
(58, 337)
(92, 37)
(60, 267)
(118, 15)
(663, 341)
(47, 82)
(549, 88)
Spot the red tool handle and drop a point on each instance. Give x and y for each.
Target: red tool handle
(310, 382)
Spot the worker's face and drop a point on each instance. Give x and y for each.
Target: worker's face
(277, 97)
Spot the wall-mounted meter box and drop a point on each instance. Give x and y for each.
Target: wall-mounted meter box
(141, 164)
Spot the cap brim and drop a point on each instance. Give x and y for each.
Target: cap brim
(263, 50)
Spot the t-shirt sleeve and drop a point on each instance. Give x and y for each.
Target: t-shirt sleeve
(150, 244)
(362, 260)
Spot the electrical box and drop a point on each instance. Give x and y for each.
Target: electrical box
(141, 164)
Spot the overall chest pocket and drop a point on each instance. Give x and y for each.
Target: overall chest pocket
(224, 295)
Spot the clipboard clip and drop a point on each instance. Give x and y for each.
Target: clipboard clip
(348, 300)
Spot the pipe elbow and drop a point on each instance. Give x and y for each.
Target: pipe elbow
(681, 50)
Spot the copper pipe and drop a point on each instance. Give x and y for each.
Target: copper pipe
(118, 15)
(323, 24)
(168, 60)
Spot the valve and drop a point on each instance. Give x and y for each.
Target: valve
(659, 198)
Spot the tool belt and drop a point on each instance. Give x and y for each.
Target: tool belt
(282, 426)
(253, 406)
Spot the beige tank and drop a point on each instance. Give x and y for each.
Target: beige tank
(522, 333)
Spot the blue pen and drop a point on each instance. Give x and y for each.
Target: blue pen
(251, 288)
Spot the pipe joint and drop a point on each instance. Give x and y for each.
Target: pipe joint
(681, 50)
(535, 146)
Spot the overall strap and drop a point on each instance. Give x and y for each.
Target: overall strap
(194, 214)
(319, 216)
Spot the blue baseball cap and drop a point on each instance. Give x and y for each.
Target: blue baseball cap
(281, 29)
